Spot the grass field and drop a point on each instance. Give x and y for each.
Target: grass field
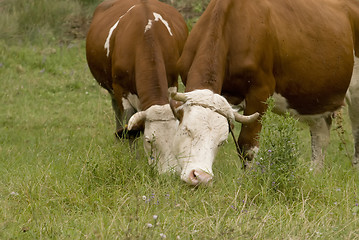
(64, 176)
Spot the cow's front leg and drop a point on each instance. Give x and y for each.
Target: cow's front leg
(248, 141)
(320, 136)
(249, 136)
(123, 112)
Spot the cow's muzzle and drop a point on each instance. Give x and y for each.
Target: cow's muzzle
(198, 177)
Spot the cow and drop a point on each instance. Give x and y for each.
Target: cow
(132, 48)
(301, 53)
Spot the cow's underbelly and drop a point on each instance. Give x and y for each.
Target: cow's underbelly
(282, 106)
(309, 96)
(312, 87)
(308, 104)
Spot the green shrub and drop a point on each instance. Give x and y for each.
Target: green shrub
(277, 161)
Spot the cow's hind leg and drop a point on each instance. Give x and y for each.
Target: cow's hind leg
(354, 117)
(352, 98)
(320, 136)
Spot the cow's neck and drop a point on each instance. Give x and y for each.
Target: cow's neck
(152, 87)
(152, 94)
(209, 65)
(151, 79)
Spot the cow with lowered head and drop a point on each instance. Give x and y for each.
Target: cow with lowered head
(301, 53)
(132, 48)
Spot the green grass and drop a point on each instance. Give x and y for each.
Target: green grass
(44, 21)
(64, 176)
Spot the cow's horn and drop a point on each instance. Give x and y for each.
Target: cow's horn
(137, 120)
(245, 119)
(179, 96)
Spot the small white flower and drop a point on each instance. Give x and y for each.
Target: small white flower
(162, 235)
(155, 217)
(149, 225)
(14, 194)
(144, 198)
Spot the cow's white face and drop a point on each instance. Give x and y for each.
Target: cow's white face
(203, 128)
(159, 128)
(196, 142)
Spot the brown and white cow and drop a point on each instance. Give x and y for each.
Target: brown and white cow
(132, 48)
(300, 52)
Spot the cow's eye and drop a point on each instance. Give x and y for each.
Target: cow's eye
(148, 139)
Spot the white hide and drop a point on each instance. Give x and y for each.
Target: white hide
(158, 17)
(107, 43)
(160, 127)
(134, 101)
(200, 132)
(131, 104)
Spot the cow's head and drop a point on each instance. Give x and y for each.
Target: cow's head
(159, 126)
(203, 127)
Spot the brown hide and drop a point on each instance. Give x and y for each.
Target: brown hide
(137, 62)
(250, 49)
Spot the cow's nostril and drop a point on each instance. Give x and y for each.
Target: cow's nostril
(193, 178)
(200, 177)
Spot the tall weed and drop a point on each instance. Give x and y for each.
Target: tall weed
(277, 162)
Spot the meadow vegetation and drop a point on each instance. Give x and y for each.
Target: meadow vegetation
(63, 175)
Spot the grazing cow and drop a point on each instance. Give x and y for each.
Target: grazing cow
(132, 48)
(300, 52)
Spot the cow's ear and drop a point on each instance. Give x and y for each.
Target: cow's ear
(177, 111)
(137, 121)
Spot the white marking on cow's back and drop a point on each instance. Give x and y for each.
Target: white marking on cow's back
(107, 43)
(158, 17)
